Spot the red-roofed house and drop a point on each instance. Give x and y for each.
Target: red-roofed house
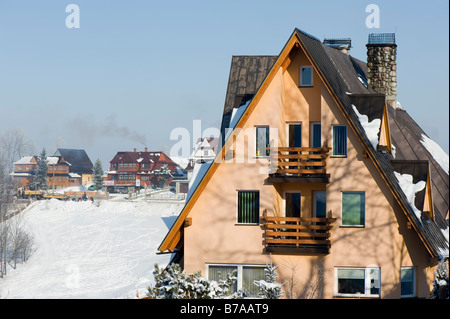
(136, 170)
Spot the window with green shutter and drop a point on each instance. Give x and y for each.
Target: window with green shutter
(248, 207)
(353, 208)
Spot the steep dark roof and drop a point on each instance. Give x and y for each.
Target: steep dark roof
(406, 136)
(342, 79)
(247, 73)
(347, 78)
(78, 159)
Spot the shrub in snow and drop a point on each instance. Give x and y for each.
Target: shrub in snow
(161, 177)
(173, 283)
(269, 288)
(440, 282)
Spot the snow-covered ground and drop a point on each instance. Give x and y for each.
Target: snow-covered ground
(105, 249)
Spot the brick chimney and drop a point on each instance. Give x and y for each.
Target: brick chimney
(382, 65)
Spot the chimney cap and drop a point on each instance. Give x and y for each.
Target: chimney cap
(336, 43)
(381, 38)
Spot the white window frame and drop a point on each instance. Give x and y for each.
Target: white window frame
(414, 281)
(240, 272)
(301, 76)
(367, 283)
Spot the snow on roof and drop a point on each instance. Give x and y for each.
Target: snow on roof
(52, 160)
(236, 116)
(436, 151)
(198, 173)
(410, 189)
(25, 160)
(372, 129)
(139, 159)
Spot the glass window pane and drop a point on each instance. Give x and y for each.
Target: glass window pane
(374, 277)
(320, 203)
(250, 274)
(353, 208)
(262, 141)
(407, 281)
(218, 273)
(339, 140)
(306, 76)
(351, 281)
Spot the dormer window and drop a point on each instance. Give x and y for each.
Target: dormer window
(306, 75)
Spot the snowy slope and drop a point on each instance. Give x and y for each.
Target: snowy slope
(91, 250)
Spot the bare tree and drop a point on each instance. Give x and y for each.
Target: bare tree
(13, 145)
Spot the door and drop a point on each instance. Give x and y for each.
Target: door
(292, 204)
(294, 135)
(316, 139)
(320, 201)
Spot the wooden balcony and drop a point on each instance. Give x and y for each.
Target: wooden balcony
(296, 235)
(298, 164)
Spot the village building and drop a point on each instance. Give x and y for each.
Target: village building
(131, 171)
(81, 168)
(323, 171)
(25, 171)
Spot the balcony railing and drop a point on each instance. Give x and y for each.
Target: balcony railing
(304, 162)
(297, 235)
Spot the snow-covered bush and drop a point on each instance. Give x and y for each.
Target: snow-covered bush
(440, 282)
(269, 288)
(173, 283)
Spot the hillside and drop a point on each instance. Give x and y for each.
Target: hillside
(104, 249)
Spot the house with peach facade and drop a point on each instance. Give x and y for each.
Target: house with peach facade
(322, 171)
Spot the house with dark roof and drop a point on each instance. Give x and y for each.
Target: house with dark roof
(322, 171)
(135, 170)
(81, 168)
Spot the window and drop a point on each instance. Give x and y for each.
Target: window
(262, 141)
(339, 140)
(246, 275)
(408, 282)
(306, 75)
(248, 207)
(353, 208)
(357, 282)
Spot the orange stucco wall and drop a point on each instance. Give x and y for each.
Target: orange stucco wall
(384, 241)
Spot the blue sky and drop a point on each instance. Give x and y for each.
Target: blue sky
(135, 70)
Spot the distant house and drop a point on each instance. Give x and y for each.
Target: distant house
(205, 150)
(322, 172)
(25, 170)
(136, 170)
(81, 167)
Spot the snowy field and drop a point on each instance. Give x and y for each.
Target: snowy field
(105, 249)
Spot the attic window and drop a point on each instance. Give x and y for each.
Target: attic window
(306, 75)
